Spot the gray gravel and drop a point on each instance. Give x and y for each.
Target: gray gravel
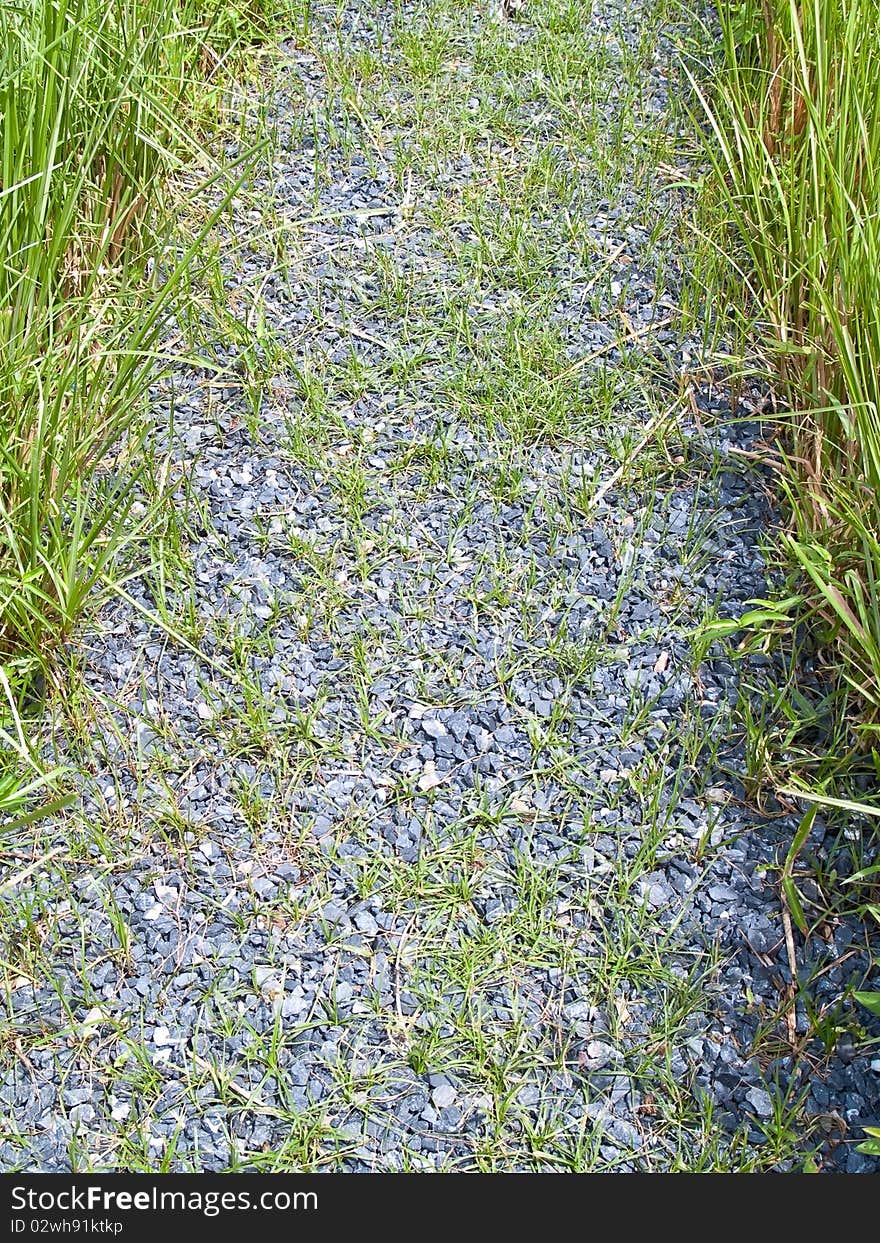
(450, 758)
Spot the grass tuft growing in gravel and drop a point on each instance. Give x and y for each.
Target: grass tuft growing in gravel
(794, 113)
(92, 97)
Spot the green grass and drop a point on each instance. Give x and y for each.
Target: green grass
(793, 117)
(97, 115)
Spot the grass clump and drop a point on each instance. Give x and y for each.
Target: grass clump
(91, 96)
(794, 117)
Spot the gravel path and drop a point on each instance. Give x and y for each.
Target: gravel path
(418, 837)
